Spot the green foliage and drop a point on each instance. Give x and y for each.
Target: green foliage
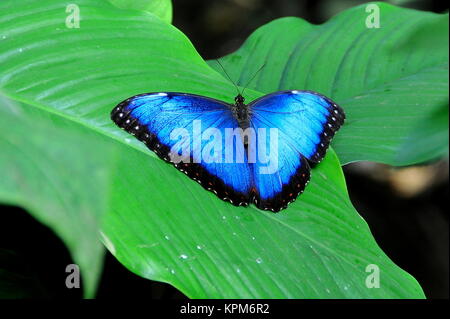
(68, 165)
(238, 252)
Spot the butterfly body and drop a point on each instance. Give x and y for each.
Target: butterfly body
(240, 111)
(223, 145)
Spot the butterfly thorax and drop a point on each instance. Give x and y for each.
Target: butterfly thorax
(240, 112)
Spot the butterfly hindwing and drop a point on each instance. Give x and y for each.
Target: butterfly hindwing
(280, 178)
(153, 117)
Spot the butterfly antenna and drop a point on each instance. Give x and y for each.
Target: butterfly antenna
(256, 73)
(229, 78)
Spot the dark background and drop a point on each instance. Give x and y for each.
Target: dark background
(406, 209)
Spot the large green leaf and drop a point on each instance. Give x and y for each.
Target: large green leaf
(61, 85)
(318, 248)
(387, 79)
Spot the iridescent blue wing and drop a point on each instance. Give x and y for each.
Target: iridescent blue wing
(157, 119)
(306, 122)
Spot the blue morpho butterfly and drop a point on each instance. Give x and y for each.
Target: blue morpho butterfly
(300, 124)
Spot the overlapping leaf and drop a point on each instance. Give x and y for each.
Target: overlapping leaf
(387, 79)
